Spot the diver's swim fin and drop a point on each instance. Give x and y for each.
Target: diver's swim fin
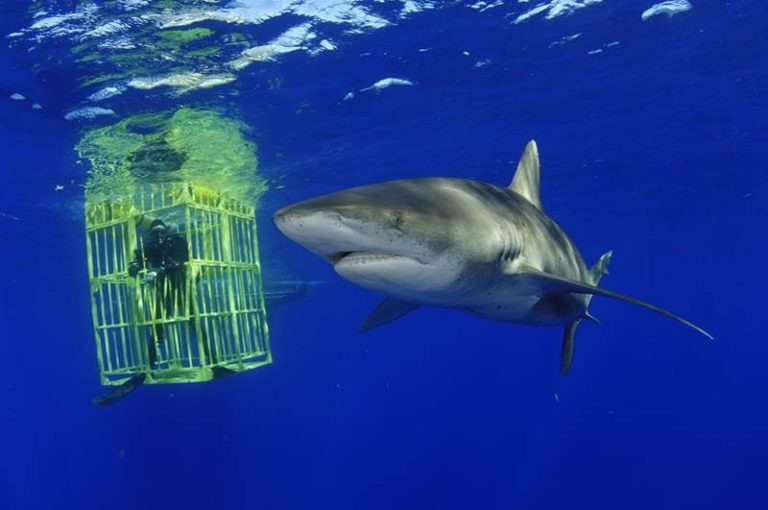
(219, 372)
(119, 392)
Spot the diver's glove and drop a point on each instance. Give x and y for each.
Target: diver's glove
(150, 276)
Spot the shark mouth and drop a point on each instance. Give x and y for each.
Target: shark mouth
(348, 258)
(348, 244)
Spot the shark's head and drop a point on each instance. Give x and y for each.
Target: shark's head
(407, 239)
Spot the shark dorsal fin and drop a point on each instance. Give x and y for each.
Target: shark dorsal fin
(526, 180)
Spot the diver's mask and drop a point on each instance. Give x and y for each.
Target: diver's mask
(158, 232)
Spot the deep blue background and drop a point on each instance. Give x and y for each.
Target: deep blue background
(655, 148)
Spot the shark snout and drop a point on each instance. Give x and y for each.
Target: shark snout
(334, 235)
(286, 217)
(298, 220)
(290, 213)
(324, 232)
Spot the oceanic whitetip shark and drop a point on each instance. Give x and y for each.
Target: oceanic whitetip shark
(456, 243)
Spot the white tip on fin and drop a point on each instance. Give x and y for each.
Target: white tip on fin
(526, 180)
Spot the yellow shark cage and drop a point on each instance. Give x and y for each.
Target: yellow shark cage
(218, 324)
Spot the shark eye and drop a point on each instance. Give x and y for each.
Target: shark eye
(396, 219)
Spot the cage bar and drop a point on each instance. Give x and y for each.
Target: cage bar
(215, 319)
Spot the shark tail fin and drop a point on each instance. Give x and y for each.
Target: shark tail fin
(569, 333)
(566, 351)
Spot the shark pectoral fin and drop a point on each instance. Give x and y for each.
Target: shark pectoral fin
(553, 283)
(566, 351)
(389, 310)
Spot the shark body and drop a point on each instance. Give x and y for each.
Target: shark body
(456, 243)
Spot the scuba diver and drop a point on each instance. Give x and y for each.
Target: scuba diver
(162, 256)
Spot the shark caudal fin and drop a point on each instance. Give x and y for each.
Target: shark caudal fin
(596, 273)
(566, 351)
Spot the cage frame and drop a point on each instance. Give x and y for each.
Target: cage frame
(237, 264)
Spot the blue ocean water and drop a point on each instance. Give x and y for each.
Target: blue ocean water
(654, 146)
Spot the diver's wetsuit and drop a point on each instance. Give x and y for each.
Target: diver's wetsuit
(163, 253)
